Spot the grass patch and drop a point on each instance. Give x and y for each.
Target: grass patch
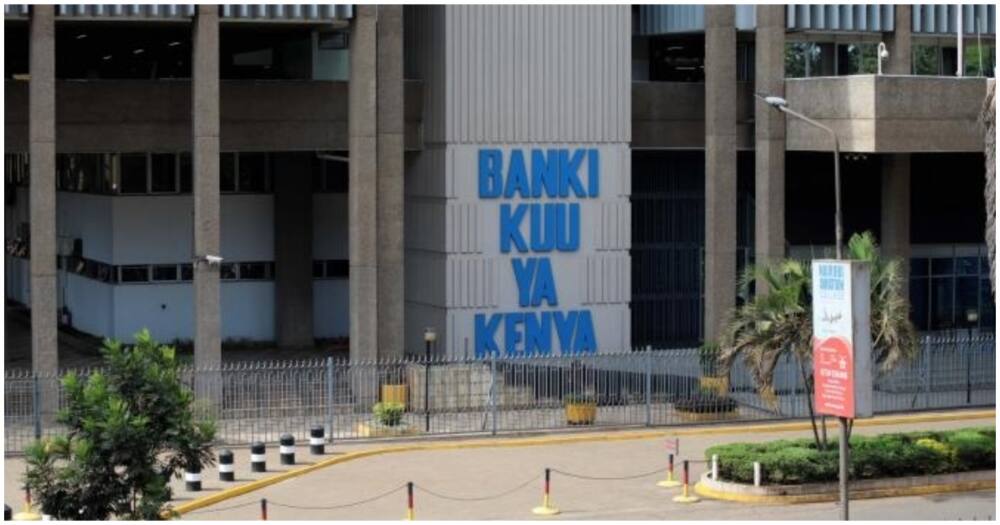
(796, 461)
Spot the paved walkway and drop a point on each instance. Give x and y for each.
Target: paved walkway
(483, 472)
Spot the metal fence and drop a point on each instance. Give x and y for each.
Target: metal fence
(259, 401)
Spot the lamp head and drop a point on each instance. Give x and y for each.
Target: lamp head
(776, 102)
(430, 335)
(971, 315)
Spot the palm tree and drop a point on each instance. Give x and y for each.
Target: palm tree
(768, 326)
(988, 119)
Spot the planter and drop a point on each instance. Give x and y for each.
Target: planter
(860, 489)
(705, 417)
(581, 413)
(716, 384)
(395, 394)
(377, 430)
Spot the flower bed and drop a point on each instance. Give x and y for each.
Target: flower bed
(884, 456)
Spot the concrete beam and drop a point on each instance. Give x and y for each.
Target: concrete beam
(895, 241)
(899, 43)
(720, 167)
(389, 145)
(769, 194)
(293, 250)
(205, 157)
(362, 196)
(42, 190)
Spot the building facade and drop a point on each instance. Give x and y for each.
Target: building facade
(521, 179)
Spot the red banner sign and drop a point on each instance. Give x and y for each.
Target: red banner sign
(833, 372)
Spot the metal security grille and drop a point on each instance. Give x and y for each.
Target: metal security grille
(260, 401)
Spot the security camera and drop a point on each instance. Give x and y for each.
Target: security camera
(213, 260)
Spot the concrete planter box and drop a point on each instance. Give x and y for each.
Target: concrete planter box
(860, 489)
(376, 430)
(462, 387)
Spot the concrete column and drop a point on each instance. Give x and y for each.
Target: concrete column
(769, 129)
(205, 157)
(362, 197)
(720, 167)
(899, 43)
(293, 243)
(895, 239)
(42, 190)
(390, 181)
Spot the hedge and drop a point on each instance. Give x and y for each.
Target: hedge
(789, 462)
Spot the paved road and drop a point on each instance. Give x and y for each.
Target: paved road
(475, 473)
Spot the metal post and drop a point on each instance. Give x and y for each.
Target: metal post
(968, 370)
(493, 392)
(649, 385)
(844, 461)
(36, 406)
(427, 386)
(927, 372)
(329, 397)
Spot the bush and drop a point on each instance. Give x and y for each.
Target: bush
(389, 413)
(885, 456)
(704, 402)
(708, 358)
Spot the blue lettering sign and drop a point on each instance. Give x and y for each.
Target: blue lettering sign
(490, 173)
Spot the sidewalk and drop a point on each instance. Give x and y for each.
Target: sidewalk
(481, 472)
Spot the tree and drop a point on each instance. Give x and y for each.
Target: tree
(988, 119)
(769, 326)
(131, 428)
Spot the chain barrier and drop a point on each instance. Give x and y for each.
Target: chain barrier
(608, 478)
(482, 498)
(340, 506)
(221, 509)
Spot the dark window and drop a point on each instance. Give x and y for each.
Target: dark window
(253, 270)
(918, 267)
(227, 172)
(857, 59)
(918, 303)
(942, 266)
(337, 268)
(133, 173)
(187, 272)
(165, 272)
(228, 271)
(134, 274)
(337, 174)
(164, 173)
(186, 170)
(673, 59)
(253, 173)
(318, 269)
(79, 172)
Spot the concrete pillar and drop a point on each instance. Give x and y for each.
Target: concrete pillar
(390, 181)
(899, 43)
(42, 188)
(205, 157)
(293, 244)
(362, 193)
(895, 241)
(720, 167)
(769, 129)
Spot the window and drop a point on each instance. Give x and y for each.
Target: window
(337, 268)
(165, 272)
(228, 271)
(164, 173)
(187, 272)
(134, 274)
(673, 59)
(857, 59)
(227, 172)
(253, 173)
(133, 173)
(253, 270)
(185, 172)
(926, 60)
(331, 175)
(945, 291)
(318, 267)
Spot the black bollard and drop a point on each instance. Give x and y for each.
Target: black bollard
(192, 478)
(226, 466)
(316, 440)
(257, 458)
(287, 449)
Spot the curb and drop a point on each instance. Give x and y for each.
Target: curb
(702, 489)
(563, 439)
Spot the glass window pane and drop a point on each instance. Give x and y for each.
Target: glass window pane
(186, 170)
(318, 269)
(164, 173)
(337, 268)
(253, 270)
(967, 301)
(925, 60)
(187, 272)
(918, 303)
(942, 266)
(967, 265)
(165, 272)
(918, 267)
(942, 306)
(228, 271)
(337, 175)
(253, 173)
(987, 314)
(133, 173)
(227, 172)
(134, 274)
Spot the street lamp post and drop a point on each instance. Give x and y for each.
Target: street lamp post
(971, 318)
(782, 105)
(429, 337)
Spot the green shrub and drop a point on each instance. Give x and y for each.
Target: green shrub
(388, 413)
(708, 358)
(796, 461)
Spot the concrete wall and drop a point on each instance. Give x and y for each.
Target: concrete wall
(479, 94)
(887, 113)
(672, 115)
(142, 115)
